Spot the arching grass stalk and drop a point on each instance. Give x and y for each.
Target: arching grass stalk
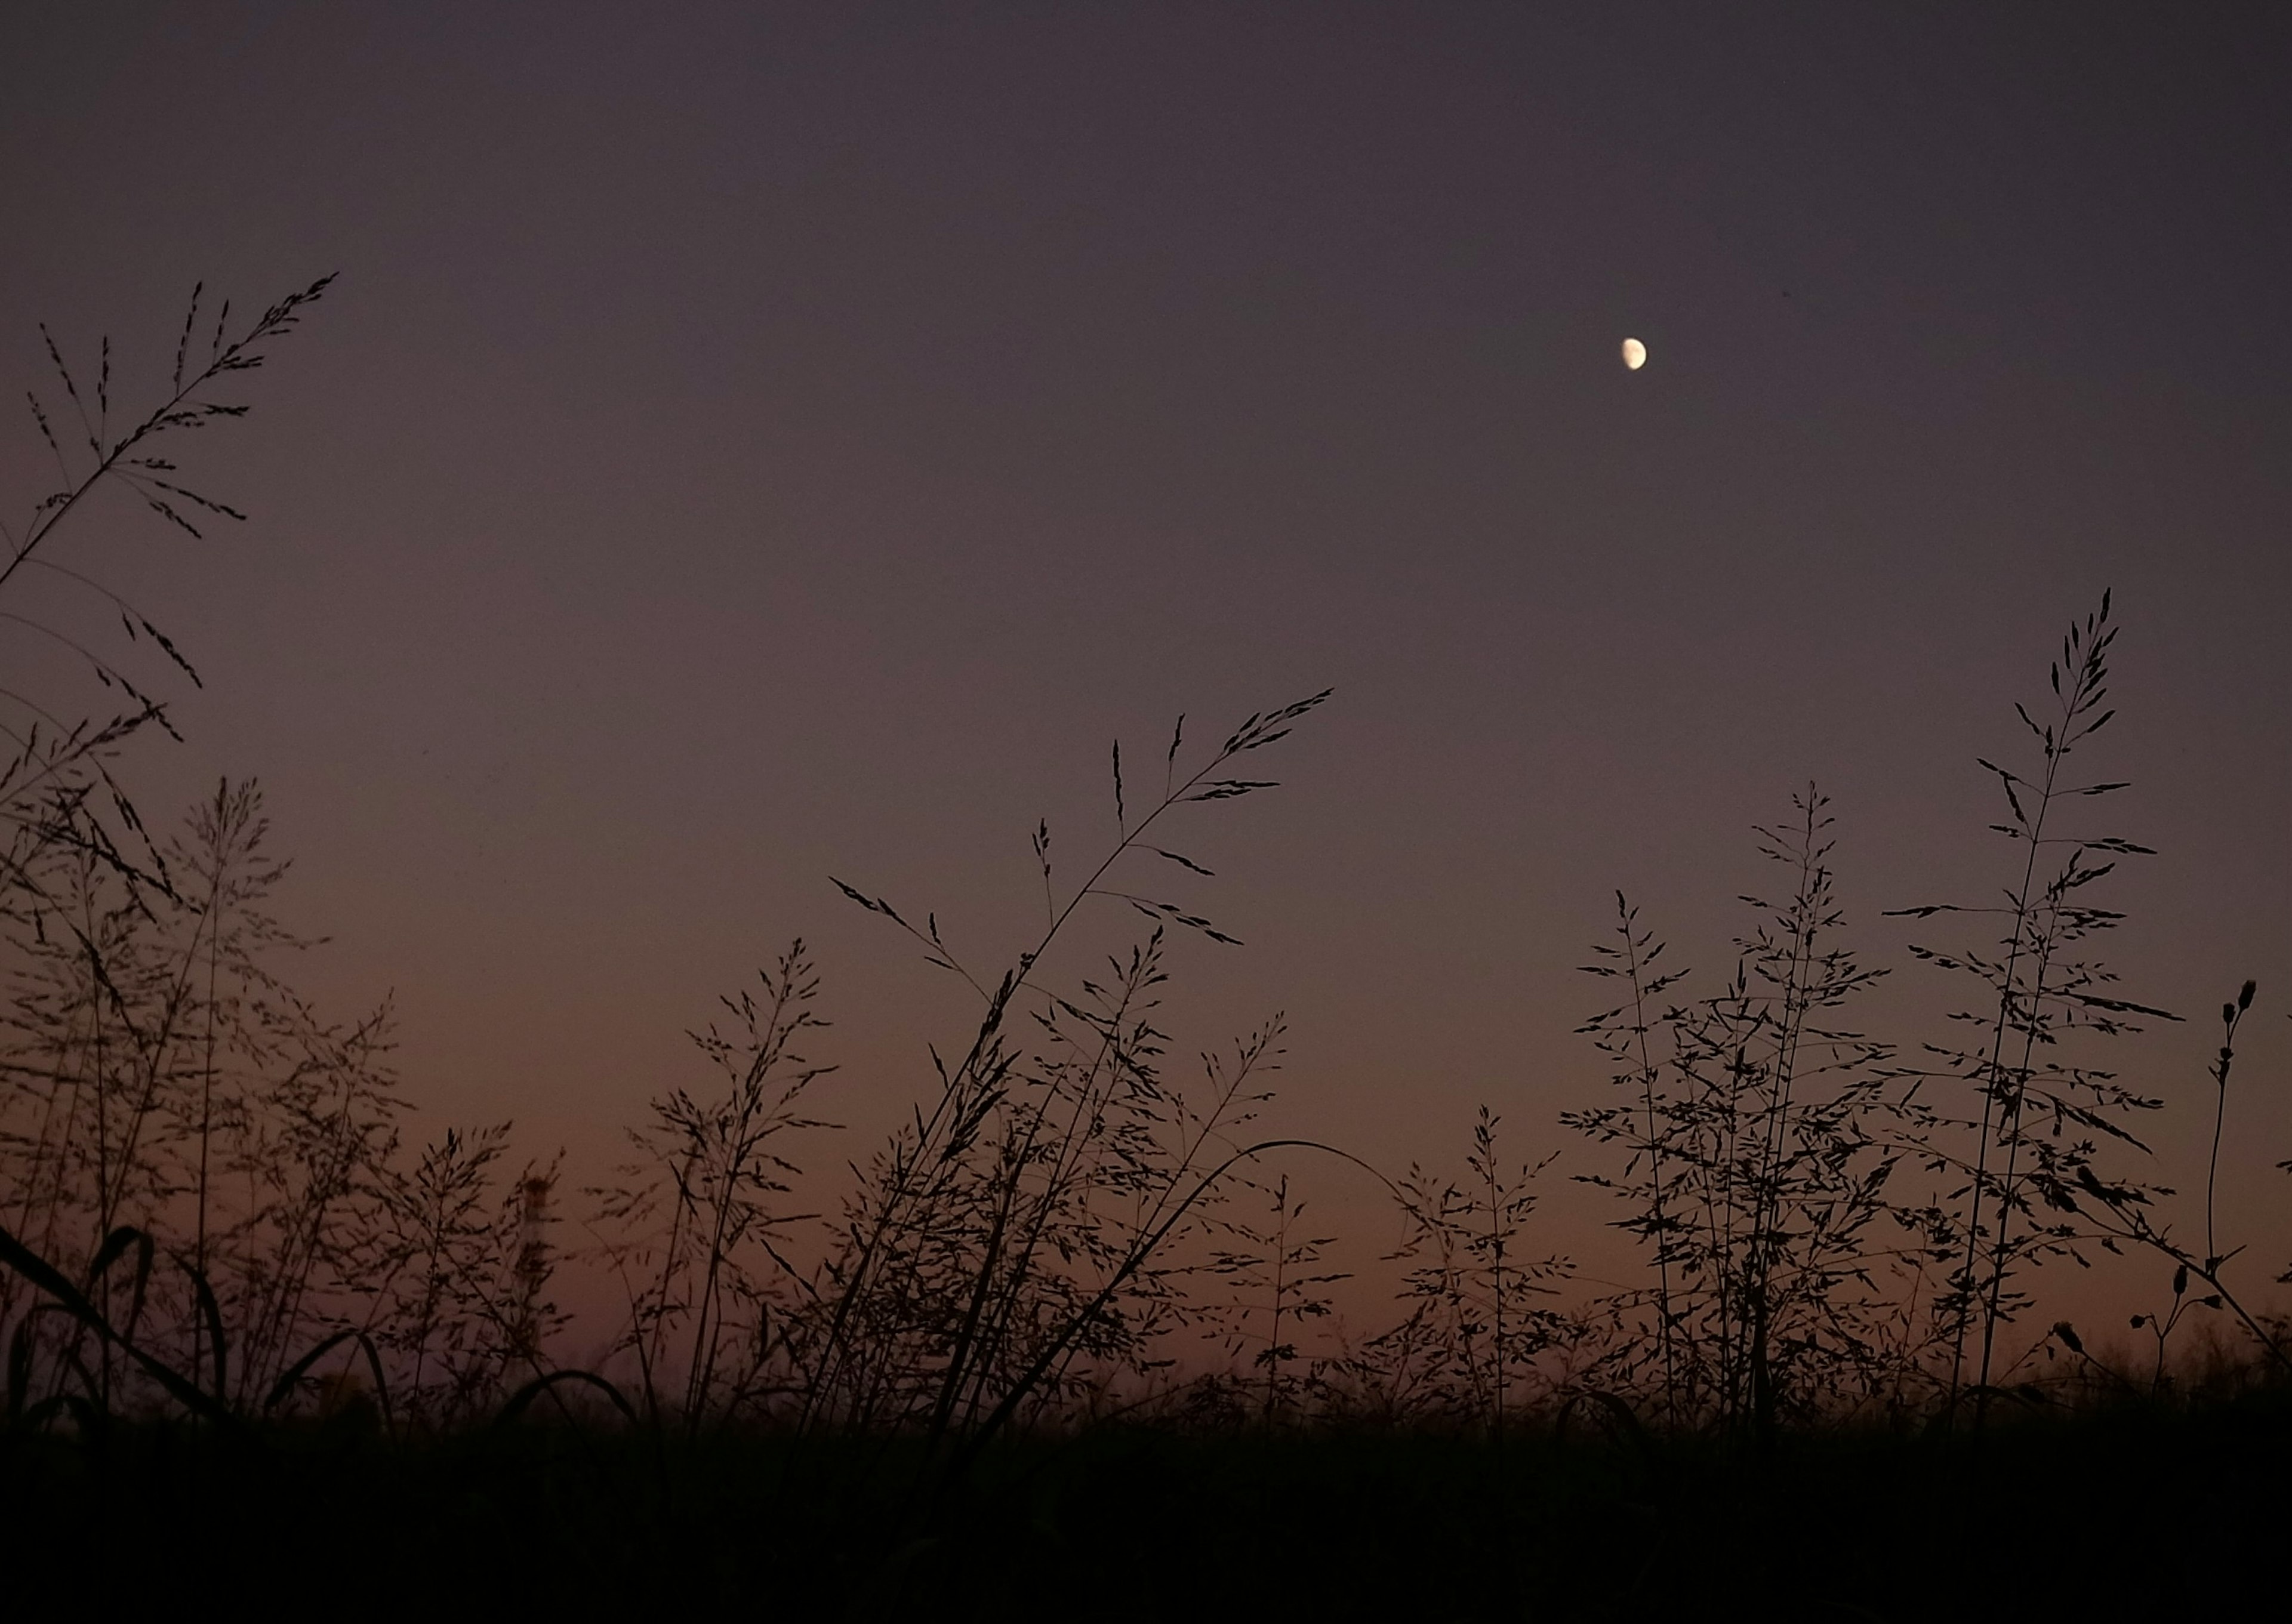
(923, 1166)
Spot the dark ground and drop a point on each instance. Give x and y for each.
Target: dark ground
(2136, 1512)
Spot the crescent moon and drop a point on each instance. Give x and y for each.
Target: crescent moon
(1635, 354)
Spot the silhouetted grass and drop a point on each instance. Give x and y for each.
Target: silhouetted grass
(255, 1341)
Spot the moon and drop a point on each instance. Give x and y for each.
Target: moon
(1635, 354)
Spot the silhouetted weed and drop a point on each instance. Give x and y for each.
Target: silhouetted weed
(254, 1339)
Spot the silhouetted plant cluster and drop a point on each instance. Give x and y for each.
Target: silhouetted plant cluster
(210, 1205)
(1482, 1330)
(1014, 1249)
(1758, 1159)
(203, 1183)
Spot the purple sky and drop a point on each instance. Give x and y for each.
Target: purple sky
(750, 443)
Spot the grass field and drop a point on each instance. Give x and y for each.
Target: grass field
(2103, 1514)
(265, 1352)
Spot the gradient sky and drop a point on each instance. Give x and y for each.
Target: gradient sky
(751, 442)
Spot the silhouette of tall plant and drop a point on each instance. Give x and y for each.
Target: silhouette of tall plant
(1480, 1302)
(1274, 1283)
(2038, 1120)
(694, 1220)
(1753, 1170)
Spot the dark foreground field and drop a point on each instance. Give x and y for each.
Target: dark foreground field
(2110, 1516)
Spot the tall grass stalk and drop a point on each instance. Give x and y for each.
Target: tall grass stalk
(2040, 990)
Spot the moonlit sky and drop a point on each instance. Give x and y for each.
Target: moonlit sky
(753, 443)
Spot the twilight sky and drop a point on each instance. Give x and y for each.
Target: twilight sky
(753, 442)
